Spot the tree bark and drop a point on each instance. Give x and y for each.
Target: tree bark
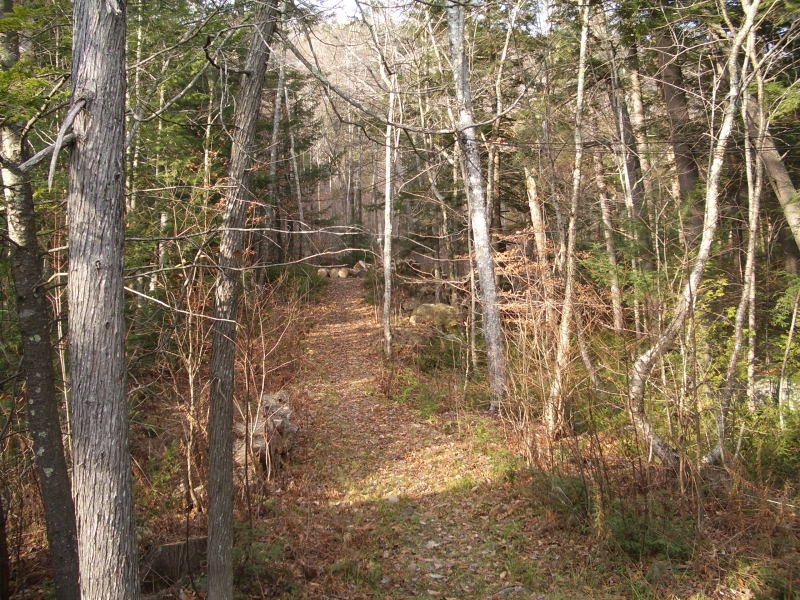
(776, 171)
(388, 208)
(670, 78)
(295, 180)
(273, 149)
(223, 344)
(37, 353)
(480, 231)
(102, 480)
(611, 247)
(540, 243)
(37, 360)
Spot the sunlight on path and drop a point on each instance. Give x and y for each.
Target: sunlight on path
(398, 506)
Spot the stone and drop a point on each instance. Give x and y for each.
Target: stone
(168, 563)
(767, 389)
(272, 435)
(439, 316)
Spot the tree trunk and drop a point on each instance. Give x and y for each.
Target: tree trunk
(223, 344)
(754, 188)
(776, 171)
(637, 379)
(102, 480)
(388, 207)
(37, 360)
(540, 243)
(671, 81)
(273, 154)
(611, 247)
(555, 407)
(37, 356)
(480, 231)
(295, 180)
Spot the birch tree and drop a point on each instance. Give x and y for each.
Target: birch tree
(493, 334)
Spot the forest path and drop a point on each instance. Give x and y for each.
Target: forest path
(384, 500)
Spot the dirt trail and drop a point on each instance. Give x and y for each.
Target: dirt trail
(385, 501)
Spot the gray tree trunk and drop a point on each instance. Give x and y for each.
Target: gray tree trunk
(670, 79)
(102, 480)
(296, 180)
(223, 343)
(776, 171)
(492, 330)
(273, 149)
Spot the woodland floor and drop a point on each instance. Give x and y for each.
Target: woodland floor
(382, 499)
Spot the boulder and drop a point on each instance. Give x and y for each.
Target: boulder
(767, 389)
(169, 563)
(344, 273)
(410, 305)
(322, 272)
(439, 316)
(272, 435)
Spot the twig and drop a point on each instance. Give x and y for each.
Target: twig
(73, 112)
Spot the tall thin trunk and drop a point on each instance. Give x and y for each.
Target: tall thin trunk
(273, 153)
(359, 183)
(102, 479)
(37, 356)
(627, 155)
(540, 242)
(296, 180)
(644, 364)
(207, 149)
(776, 171)
(782, 383)
(388, 207)
(754, 173)
(492, 329)
(639, 125)
(37, 360)
(555, 407)
(223, 344)
(611, 247)
(670, 79)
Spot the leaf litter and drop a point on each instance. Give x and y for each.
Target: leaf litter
(380, 501)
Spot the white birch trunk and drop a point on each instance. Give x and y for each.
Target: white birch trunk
(492, 330)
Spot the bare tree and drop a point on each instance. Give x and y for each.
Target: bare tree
(493, 333)
(555, 407)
